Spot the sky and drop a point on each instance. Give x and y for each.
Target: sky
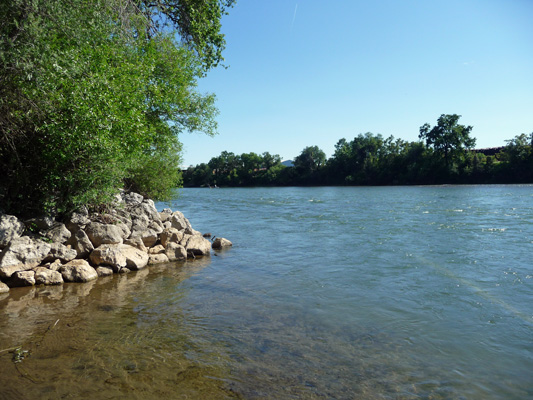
(311, 72)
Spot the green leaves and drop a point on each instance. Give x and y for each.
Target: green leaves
(89, 100)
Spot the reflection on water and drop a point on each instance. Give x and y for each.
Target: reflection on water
(361, 293)
(100, 340)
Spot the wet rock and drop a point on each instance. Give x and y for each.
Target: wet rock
(135, 259)
(157, 259)
(198, 245)
(45, 276)
(219, 243)
(78, 271)
(3, 287)
(10, 228)
(175, 251)
(102, 270)
(22, 278)
(22, 254)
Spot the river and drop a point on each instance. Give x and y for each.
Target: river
(327, 293)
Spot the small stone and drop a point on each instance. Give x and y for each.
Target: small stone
(157, 259)
(22, 278)
(104, 271)
(220, 243)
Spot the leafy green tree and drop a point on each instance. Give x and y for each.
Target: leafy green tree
(310, 160)
(448, 137)
(518, 155)
(94, 95)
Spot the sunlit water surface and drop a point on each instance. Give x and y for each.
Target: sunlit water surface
(327, 293)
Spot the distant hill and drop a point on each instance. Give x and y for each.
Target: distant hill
(288, 163)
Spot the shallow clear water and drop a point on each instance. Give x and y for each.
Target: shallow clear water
(345, 293)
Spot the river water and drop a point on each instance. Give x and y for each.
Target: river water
(327, 293)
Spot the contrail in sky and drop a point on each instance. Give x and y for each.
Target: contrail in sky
(294, 16)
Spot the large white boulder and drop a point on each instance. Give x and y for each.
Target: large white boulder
(22, 254)
(108, 254)
(103, 234)
(135, 259)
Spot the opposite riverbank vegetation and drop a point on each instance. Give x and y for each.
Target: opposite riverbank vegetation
(445, 154)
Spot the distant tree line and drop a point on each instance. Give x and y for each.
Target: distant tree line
(443, 155)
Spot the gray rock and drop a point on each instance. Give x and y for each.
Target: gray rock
(82, 244)
(58, 233)
(135, 259)
(22, 254)
(198, 245)
(3, 287)
(132, 198)
(148, 236)
(185, 239)
(165, 215)
(103, 234)
(219, 243)
(78, 220)
(136, 242)
(10, 228)
(22, 278)
(108, 254)
(45, 276)
(54, 266)
(40, 223)
(78, 271)
(157, 259)
(61, 252)
(175, 252)
(170, 235)
(179, 221)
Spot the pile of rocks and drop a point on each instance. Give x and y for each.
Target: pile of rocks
(132, 235)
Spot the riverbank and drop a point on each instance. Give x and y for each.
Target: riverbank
(128, 237)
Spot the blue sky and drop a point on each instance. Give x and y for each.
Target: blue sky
(309, 72)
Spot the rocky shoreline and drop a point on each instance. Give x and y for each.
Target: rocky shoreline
(128, 237)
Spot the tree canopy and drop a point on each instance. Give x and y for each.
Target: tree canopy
(94, 93)
(448, 137)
